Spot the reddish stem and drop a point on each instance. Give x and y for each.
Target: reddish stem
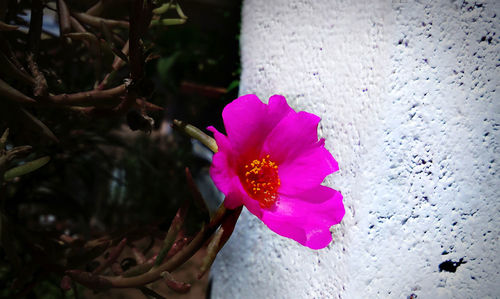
(115, 253)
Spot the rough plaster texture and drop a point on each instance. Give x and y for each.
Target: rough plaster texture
(409, 100)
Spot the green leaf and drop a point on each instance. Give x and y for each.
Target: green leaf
(25, 168)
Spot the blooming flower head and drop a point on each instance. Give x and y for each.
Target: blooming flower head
(272, 162)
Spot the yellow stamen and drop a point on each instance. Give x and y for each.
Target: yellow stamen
(261, 180)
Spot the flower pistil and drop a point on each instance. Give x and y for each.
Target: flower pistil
(261, 180)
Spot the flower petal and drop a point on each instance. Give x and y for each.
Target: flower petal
(223, 173)
(307, 221)
(234, 196)
(307, 170)
(251, 204)
(222, 170)
(248, 121)
(303, 161)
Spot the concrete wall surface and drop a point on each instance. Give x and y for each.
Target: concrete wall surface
(408, 92)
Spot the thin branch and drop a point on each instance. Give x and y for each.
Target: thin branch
(10, 93)
(11, 71)
(90, 98)
(7, 27)
(64, 17)
(76, 25)
(96, 21)
(96, 9)
(139, 104)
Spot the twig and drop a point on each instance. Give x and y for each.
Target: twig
(93, 97)
(118, 110)
(27, 118)
(12, 71)
(7, 27)
(96, 21)
(64, 17)
(96, 9)
(76, 25)
(13, 94)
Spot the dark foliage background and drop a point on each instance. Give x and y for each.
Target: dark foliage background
(105, 179)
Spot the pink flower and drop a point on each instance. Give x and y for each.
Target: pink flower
(272, 162)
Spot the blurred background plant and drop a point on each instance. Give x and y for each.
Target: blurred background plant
(91, 171)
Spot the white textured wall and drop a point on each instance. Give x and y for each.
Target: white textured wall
(409, 100)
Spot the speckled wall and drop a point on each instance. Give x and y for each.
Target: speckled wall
(410, 107)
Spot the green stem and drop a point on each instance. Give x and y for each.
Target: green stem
(197, 134)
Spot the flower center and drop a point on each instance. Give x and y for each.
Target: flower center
(261, 181)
